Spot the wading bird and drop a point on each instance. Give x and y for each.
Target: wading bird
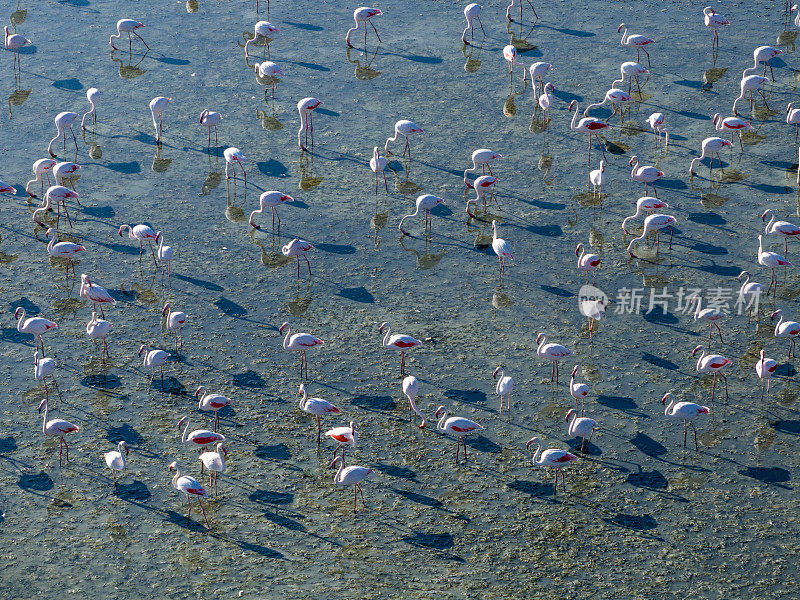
(299, 342)
(551, 352)
(688, 411)
(191, 488)
(457, 426)
(57, 428)
(503, 388)
(305, 107)
(353, 475)
(363, 15)
(128, 26)
(765, 367)
(317, 407)
(580, 427)
(398, 341)
(553, 457)
(116, 460)
(712, 363)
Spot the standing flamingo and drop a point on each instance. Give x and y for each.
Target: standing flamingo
(34, 326)
(363, 15)
(656, 223)
(234, 156)
(299, 342)
(645, 204)
(656, 122)
(513, 2)
(503, 388)
(771, 260)
(481, 185)
(41, 168)
(42, 368)
(353, 475)
(209, 402)
(750, 292)
(13, 42)
(58, 194)
(298, 248)
(750, 83)
(95, 293)
(165, 256)
(582, 427)
(765, 367)
(579, 391)
(510, 54)
(305, 107)
(317, 407)
(786, 329)
(63, 121)
(482, 157)
(98, 329)
(62, 173)
(272, 200)
(710, 146)
(712, 19)
(199, 437)
(501, 248)
(553, 457)
(93, 96)
(639, 42)
(793, 118)
(398, 341)
(411, 389)
(587, 262)
(458, 426)
(175, 321)
(192, 488)
(688, 411)
(209, 119)
(713, 363)
(425, 202)
(57, 428)
(116, 460)
(266, 30)
(157, 107)
(128, 26)
(346, 436)
(763, 54)
(647, 174)
(597, 178)
(614, 97)
(782, 228)
(551, 352)
(732, 124)
(141, 233)
(65, 250)
(537, 71)
(632, 70)
(588, 125)
(472, 12)
(270, 72)
(405, 128)
(546, 100)
(378, 164)
(152, 359)
(215, 463)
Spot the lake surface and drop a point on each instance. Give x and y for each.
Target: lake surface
(642, 516)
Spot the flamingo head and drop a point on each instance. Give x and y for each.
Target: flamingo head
(173, 466)
(764, 215)
(438, 411)
(49, 232)
(717, 117)
(125, 447)
(570, 412)
(205, 110)
(18, 312)
(334, 461)
(549, 86)
(301, 389)
(727, 143)
(223, 449)
(709, 11)
(158, 237)
(495, 372)
(620, 27)
(697, 349)
(539, 338)
(282, 327)
(383, 326)
(199, 391)
(572, 105)
(778, 312)
(578, 250)
(665, 397)
(531, 441)
(634, 159)
(182, 422)
(121, 229)
(574, 370)
(286, 198)
(142, 348)
(742, 274)
(42, 404)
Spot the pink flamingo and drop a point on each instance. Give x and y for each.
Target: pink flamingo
(786, 329)
(43, 368)
(299, 342)
(633, 70)
(128, 26)
(298, 248)
(405, 128)
(317, 407)
(192, 488)
(63, 121)
(425, 202)
(783, 228)
(95, 294)
(398, 341)
(503, 388)
(209, 402)
(688, 411)
(734, 125)
(513, 2)
(209, 119)
(305, 107)
(553, 457)
(639, 42)
(615, 97)
(472, 12)
(234, 156)
(57, 428)
(353, 475)
(656, 122)
(510, 54)
(140, 233)
(458, 426)
(587, 262)
(35, 326)
(579, 391)
(346, 436)
(656, 223)
(771, 260)
(711, 316)
(266, 30)
(588, 125)
(65, 250)
(763, 54)
(501, 248)
(765, 367)
(580, 427)
(644, 205)
(710, 146)
(363, 15)
(647, 174)
(272, 200)
(13, 42)
(712, 19)
(41, 168)
(482, 157)
(411, 389)
(551, 352)
(713, 363)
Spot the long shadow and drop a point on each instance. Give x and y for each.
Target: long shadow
(420, 498)
(230, 308)
(633, 522)
(208, 285)
(124, 433)
(372, 402)
(248, 379)
(776, 476)
(395, 471)
(660, 362)
(8, 444)
(36, 484)
(647, 445)
(273, 452)
(532, 488)
(272, 498)
(473, 397)
(483, 444)
(134, 492)
(357, 294)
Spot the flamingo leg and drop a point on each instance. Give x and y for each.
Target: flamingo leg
(684, 432)
(694, 430)
(713, 388)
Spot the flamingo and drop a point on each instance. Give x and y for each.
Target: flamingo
(782, 228)
(551, 352)
(783, 329)
(271, 200)
(425, 202)
(63, 171)
(458, 426)
(631, 70)
(750, 291)
(688, 411)
(712, 19)
(209, 119)
(13, 42)
(128, 26)
(95, 293)
(264, 29)
(299, 342)
(364, 15)
(405, 128)
(157, 107)
(793, 118)
(597, 178)
(398, 341)
(615, 97)
(501, 248)
(732, 124)
(510, 54)
(141, 233)
(763, 54)
(298, 248)
(471, 13)
(353, 475)
(175, 321)
(42, 368)
(209, 402)
(35, 326)
(199, 437)
(93, 96)
(57, 428)
(63, 121)
(378, 164)
(750, 83)
(481, 157)
(579, 391)
(513, 2)
(234, 156)
(765, 367)
(98, 329)
(305, 107)
(503, 388)
(215, 463)
(41, 167)
(346, 436)
(797, 16)
(710, 146)
(587, 262)
(271, 72)
(537, 71)
(152, 359)
(635, 41)
(165, 256)
(192, 488)
(116, 460)
(581, 427)
(553, 457)
(647, 174)
(7, 189)
(711, 316)
(317, 407)
(771, 260)
(588, 125)
(481, 185)
(65, 250)
(58, 194)
(656, 122)
(713, 363)
(546, 100)
(411, 389)
(656, 223)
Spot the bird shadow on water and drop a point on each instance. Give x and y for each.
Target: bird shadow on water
(640, 523)
(440, 542)
(395, 471)
(659, 362)
(776, 476)
(248, 379)
(421, 499)
(124, 433)
(473, 397)
(36, 483)
(273, 452)
(374, 403)
(208, 285)
(133, 492)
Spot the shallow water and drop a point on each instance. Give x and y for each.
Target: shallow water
(642, 517)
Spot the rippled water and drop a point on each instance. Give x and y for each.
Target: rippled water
(642, 517)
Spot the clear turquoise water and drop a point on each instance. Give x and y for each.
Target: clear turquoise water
(642, 517)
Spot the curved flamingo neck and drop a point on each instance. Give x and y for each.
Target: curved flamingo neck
(573, 124)
(539, 462)
(44, 418)
(440, 423)
(760, 247)
(624, 40)
(338, 477)
(771, 220)
(668, 409)
(386, 336)
(303, 399)
(221, 454)
(286, 337)
(635, 165)
(184, 437)
(780, 320)
(21, 317)
(541, 344)
(176, 477)
(121, 450)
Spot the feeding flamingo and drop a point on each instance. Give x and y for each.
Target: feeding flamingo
(411, 389)
(58, 194)
(140, 233)
(481, 185)
(688, 411)
(299, 342)
(553, 457)
(298, 248)
(580, 427)
(41, 168)
(458, 426)
(116, 460)
(305, 107)
(63, 121)
(656, 223)
(35, 326)
(750, 83)
(398, 341)
(632, 70)
(713, 363)
(215, 463)
(614, 97)
(317, 407)
(481, 157)
(763, 54)
(157, 107)
(645, 204)
(710, 146)
(472, 12)
(771, 260)
(588, 125)
(425, 202)
(271, 72)
(765, 367)
(510, 54)
(128, 26)
(57, 428)
(405, 128)
(272, 200)
(353, 475)
(363, 15)
(191, 488)
(537, 71)
(266, 30)
(93, 96)
(234, 156)
(551, 352)
(62, 174)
